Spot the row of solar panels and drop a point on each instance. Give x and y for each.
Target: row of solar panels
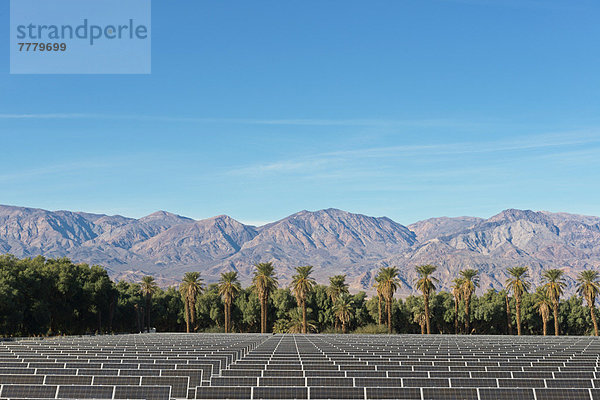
(324, 366)
(146, 366)
(164, 392)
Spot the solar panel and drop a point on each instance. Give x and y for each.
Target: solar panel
(337, 393)
(509, 394)
(142, 392)
(330, 381)
(213, 392)
(378, 382)
(522, 383)
(116, 380)
(562, 394)
(85, 392)
(473, 382)
(433, 382)
(15, 379)
(449, 394)
(68, 380)
(29, 391)
(281, 381)
(280, 393)
(569, 383)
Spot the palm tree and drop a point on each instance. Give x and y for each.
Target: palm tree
(297, 323)
(420, 319)
(229, 287)
(543, 303)
(518, 284)
(508, 312)
(379, 299)
(470, 281)
(264, 282)
(389, 283)
(302, 285)
(343, 309)
(456, 292)
(425, 283)
(148, 287)
(554, 286)
(588, 286)
(190, 288)
(337, 286)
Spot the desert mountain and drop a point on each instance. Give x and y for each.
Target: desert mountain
(333, 241)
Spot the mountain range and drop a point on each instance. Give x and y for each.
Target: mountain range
(166, 245)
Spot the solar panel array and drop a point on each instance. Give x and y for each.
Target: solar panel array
(253, 366)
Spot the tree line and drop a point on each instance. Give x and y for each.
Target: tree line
(42, 296)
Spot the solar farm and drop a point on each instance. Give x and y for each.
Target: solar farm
(254, 366)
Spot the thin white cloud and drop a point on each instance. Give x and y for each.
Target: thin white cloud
(47, 116)
(325, 164)
(432, 122)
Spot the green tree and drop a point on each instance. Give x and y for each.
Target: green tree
(508, 312)
(588, 286)
(519, 285)
(211, 309)
(190, 288)
(457, 291)
(470, 281)
(425, 283)
(246, 313)
(148, 287)
(543, 303)
(229, 287)
(337, 286)
(168, 307)
(264, 283)
(298, 323)
(554, 285)
(379, 287)
(388, 283)
(343, 309)
(302, 285)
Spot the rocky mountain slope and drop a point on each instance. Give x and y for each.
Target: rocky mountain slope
(334, 241)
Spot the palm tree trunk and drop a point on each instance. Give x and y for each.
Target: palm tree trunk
(229, 330)
(555, 307)
(456, 316)
(192, 308)
(303, 316)
(468, 315)
(137, 319)
(226, 323)
(380, 311)
(508, 315)
(426, 301)
(187, 315)
(343, 326)
(518, 316)
(545, 322)
(111, 314)
(148, 314)
(389, 314)
(263, 315)
(422, 328)
(593, 313)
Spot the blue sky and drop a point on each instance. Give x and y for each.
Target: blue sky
(408, 109)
